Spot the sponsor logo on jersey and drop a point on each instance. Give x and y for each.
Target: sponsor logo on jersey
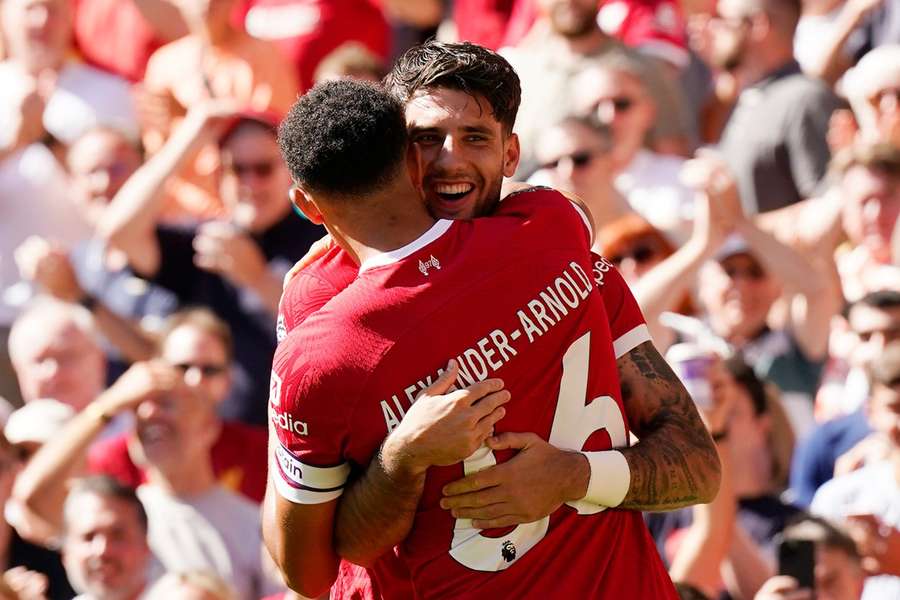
(280, 329)
(275, 390)
(431, 263)
(287, 422)
(600, 268)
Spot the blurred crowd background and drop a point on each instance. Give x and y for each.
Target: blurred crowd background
(741, 159)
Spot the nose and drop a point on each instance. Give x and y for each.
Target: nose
(872, 210)
(100, 545)
(193, 376)
(48, 369)
(565, 168)
(606, 112)
(38, 16)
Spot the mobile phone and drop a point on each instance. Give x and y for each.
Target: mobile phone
(797, 558)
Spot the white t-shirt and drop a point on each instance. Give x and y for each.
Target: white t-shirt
(218, 531)
(34, 200)
(653, 188)
(870, 490)
(83, 97)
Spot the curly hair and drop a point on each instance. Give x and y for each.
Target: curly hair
(464, 66)
(344, 138)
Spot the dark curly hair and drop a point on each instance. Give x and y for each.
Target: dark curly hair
(464, 66)
(344, 138)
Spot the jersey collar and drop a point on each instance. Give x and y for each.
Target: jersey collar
(387, 258)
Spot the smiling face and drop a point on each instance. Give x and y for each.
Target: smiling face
(464, 150)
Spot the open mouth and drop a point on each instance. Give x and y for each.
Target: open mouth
(453, 192)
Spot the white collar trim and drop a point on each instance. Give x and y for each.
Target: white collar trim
(388, 258)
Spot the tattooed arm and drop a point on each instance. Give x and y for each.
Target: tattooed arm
(674, 463)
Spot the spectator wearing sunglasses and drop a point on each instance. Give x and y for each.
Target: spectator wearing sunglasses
(576, 155)
(616, 90)
(234, 265)
(186, 462)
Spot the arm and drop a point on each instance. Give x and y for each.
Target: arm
(48, 265)
(164, 17)
(43, 484)
(746, 569)
(675, 462)
(418, 13)
(299, 539)
(832, 63)
(376, 511)
(130, 220)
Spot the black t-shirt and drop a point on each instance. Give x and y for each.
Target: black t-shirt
(40, 559)
(252, 326)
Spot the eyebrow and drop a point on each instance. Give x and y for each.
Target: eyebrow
(466, 128)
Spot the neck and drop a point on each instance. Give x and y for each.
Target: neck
(379, 224)
(606, 204)
(764, 61)
(584, 44)
(184, 477)
(753, 479)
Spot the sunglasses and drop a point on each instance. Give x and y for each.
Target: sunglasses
(639, 254)
(620, 104)
(579, 160)
(262, 169)
(205, 370)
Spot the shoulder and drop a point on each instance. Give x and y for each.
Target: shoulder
(169, 55)
(547, 206)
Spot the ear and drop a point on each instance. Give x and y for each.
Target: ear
(512, 152)
(306, 204)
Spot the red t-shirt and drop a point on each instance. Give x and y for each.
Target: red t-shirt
(309, 30)
(345, 378)
(654, 27)
(238, 457)
(114, 36)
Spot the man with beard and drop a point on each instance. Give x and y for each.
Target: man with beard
(460, 119)
(562, 43)
(775, 140)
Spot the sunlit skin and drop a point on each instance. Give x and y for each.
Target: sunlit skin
(56, 359)
(183, 423)
(37, 32)
(105, 548)
(870, 210)
(464, 151)
(556, 150)
(875, 328)
(570, 18)
(100, 163)
(737, 301)
(254, 180)
(838, 577)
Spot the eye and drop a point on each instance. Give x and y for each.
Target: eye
(476, 137)
(427, 138)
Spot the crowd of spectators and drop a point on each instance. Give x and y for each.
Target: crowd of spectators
(741, 159)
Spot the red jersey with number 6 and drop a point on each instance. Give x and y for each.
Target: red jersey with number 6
(508, 296)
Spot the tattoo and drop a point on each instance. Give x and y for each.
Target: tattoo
(675, 463)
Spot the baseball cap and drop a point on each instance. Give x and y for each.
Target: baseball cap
(37, 421)
(733, 245)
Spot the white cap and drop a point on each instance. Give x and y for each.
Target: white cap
(37, 421)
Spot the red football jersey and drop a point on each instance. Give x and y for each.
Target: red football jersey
(346, 377)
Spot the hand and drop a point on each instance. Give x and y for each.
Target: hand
(718, 204)
(48, 265)
(224, 249)
(860, 9)
(142, 381)
(528, 487)
(210, 118)
(872, 448)
(782, 587)
(316, 251)
(28, 585)
(442, 428)
(156, 110)
(879, 544)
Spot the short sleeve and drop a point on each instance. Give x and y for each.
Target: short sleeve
(807, 141)
(626, 321)
(550, 207)
(308, 416)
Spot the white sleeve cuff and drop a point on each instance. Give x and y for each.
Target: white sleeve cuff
(610, 478)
